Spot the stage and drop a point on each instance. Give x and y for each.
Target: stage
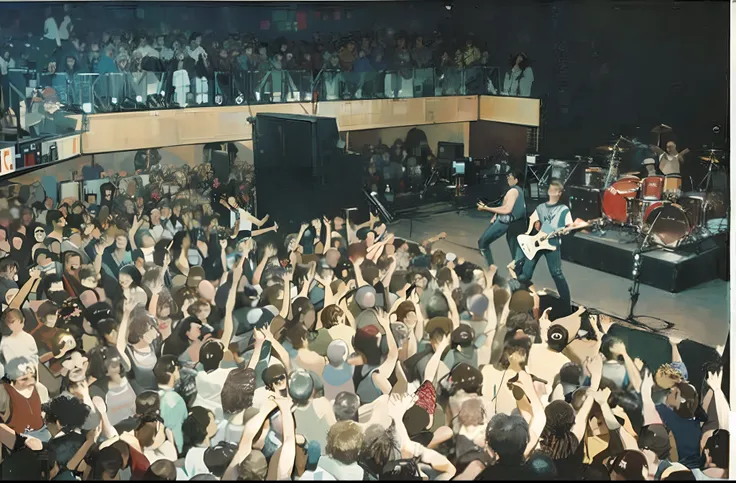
(699, 313)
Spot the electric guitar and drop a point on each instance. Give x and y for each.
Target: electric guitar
(531, 244)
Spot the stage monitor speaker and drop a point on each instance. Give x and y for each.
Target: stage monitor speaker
(450, 151)
(295, 140)
(585, 202)
(220, 161)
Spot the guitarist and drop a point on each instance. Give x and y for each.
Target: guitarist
(505, 219)
(547, 218)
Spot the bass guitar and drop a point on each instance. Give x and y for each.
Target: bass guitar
(532, 244)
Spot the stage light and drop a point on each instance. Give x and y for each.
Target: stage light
(114, 100)
(637, 257)
(448, 6)
(240, 99)
(635, 272)
(138, 99)
(87, 107)
(218, 99)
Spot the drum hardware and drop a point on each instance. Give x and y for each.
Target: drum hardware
(635, 284)
(714, 163)
(593, 177)
(659, 129)
(615, 149)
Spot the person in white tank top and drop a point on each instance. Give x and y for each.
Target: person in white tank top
(669, 161)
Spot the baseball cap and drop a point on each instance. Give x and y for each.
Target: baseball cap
(465, 376)
(631, 465)
(19, 367)
(301, 385)
(442, 323)
(463, 335)
(195, 276)
(477, 304)
(656, 439)
(365, 297)
(677, 472)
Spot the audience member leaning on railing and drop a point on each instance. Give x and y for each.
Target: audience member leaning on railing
(194, 69)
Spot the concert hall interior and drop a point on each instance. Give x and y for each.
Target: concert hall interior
(301, 240)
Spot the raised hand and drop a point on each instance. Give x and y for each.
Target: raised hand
(594, 364)
(399, 404)
(715, 380)
(304, 227)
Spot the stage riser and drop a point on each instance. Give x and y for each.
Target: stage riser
(665, 275)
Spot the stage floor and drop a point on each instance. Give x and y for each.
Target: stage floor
(700, 313)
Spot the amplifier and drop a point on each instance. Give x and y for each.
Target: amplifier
(585, 202)
(29, 155)
(450, 151)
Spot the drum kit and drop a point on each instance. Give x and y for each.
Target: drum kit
(656, 206)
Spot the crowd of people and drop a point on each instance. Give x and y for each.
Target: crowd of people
(192, 68)
(159, 336)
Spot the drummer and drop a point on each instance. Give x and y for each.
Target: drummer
(670, 160)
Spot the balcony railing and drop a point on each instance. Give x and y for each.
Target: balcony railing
(130, 91)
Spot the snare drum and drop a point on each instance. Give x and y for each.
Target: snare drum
(673, 185)
(668, 223)
(615, 206)
(652, 187)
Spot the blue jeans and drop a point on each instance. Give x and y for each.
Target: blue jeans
(494, 231)
(554, 263)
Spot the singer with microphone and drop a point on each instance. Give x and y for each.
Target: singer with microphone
(512, 209)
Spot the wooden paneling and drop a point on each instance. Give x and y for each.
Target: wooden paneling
(510, 110)
(126, 131)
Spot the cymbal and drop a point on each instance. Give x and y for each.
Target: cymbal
(661, 128)
(611, 147)
(712, 152)
(708, 159)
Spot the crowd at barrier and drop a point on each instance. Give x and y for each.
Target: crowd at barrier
(102, 71)
(154, 328)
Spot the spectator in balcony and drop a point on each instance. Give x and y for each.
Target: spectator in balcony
(66, 27)
(6, 62)
(105, 63)
(308, 62)
(518, 81)
(421, 54)
(145, 49)
(333, 79)
(164, 53)
(367, 76)
(51, 40)
(348, 55)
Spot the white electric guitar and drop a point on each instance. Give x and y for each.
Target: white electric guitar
(531, 244)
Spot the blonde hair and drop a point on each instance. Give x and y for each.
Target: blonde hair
(344, 441)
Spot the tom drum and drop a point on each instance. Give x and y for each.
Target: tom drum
(652, 187)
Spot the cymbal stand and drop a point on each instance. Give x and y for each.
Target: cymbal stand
(707, 178)
(613, 164)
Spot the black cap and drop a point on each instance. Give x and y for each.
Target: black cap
(463, 335)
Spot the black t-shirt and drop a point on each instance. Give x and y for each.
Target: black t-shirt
(501, 472)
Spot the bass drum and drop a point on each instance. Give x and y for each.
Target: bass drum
(667, 223)
(615, 206)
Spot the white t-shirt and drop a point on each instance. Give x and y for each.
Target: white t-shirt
(21, 345)
(50, 29)
(64, 28)
(194, 462)
(209, 387)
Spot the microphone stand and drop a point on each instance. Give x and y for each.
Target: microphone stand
(315, 92)
(636, 272)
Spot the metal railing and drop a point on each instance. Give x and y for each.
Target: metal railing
(127, 91)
